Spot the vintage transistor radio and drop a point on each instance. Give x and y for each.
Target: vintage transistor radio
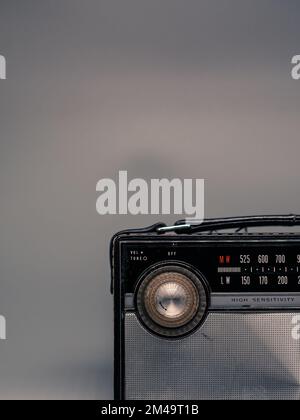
(203, 313)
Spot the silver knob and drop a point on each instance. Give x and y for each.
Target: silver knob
(171, 300)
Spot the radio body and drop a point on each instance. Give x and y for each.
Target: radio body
(206, 316)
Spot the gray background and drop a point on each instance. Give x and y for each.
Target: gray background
(189, 89)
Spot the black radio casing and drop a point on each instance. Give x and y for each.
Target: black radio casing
(242, 273)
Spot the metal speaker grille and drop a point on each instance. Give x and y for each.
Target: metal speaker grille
(232, 356)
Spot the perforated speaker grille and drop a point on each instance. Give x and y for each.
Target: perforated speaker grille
(232, 356)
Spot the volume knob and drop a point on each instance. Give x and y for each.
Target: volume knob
(171, 300)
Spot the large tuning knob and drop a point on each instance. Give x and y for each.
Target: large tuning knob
(171, 300)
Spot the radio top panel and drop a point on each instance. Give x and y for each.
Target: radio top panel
(235, 265)
(240, 270)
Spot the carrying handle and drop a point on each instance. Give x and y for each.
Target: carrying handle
(239, 223)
